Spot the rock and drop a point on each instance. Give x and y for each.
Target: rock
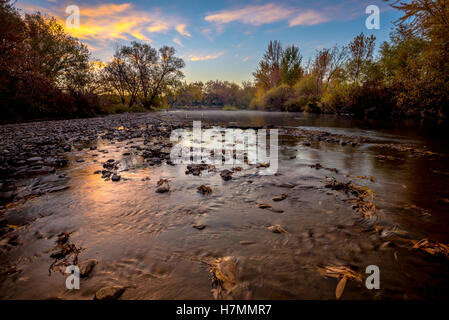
(86, 267)
(280, 197)
(204, 189)
(196, 169)
(162, 186)
(264, 206)
(199, 226)
(80, 160)
(34, 159)
(111, 160)
(109, 293)
(246, 242)
(97, 172)
(67, 148)
(115, 177)
(226, 175)
(106, 174)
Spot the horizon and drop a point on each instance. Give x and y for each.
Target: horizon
(218, 41)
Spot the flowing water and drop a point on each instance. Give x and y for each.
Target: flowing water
(145, 240)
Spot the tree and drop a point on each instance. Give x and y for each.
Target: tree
(361, 50)
(157, 71)
(268, 74)
(144, 73)
(290, 68)
(54, 54)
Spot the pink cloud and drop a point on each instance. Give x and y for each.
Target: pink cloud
(254, 14)
(308, 18)
(268, 13)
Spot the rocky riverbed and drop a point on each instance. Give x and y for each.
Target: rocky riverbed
(104, 195)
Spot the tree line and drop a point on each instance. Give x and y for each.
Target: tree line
(46, 73)
(408, 77)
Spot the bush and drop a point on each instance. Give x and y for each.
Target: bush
(277, 98)
(369, 99)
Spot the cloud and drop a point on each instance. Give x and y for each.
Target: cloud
(254, 14)
(181, 28)
(258, 15)
(178, 42)
(199, 57)
(110, 22)
(308, 18)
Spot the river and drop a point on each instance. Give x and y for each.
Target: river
(145, 241)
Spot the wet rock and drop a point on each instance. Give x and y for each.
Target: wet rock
(280, 197)
(34, 159)
(203, 189)
(86, 267)
(226, 175)
(199, 226)
(196, 169)
(109, 293)
(163, 186)
(115, 177)
(286, 185)
(110, 165)
(246, 242)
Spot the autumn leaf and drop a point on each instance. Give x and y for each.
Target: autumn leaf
(340, 288)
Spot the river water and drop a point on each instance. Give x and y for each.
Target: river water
(145, 240)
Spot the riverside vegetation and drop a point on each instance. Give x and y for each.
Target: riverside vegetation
(407, 77)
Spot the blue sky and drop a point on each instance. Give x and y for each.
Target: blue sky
(218, 39)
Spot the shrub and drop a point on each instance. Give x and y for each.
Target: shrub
(277, 98)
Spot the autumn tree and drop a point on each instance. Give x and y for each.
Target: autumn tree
(53, 53)
(144, 73)
(290, 67)
(361, 50)
(268, 74)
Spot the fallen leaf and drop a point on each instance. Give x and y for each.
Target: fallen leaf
(340, 288)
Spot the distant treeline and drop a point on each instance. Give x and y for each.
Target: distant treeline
(409, 77)
(46, 73)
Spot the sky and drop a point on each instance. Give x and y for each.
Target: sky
(218, 39)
